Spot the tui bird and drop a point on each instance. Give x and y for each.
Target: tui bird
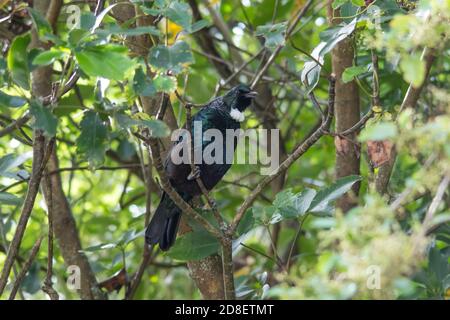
(222, 113)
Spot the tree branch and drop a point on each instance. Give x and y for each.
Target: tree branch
(298, 152)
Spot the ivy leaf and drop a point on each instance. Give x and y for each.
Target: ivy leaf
(93, 140)
(18, 61)
(325, 196)
(11, 101)
(194, 246)
(43, 118)
(48, 57)
(106, 61)
(273, 34)
(171, 58)
(351, 73)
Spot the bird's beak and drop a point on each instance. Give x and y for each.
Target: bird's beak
(251, 94)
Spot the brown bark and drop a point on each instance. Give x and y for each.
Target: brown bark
(347, 114)
(39, 88)
(206, 273)
(66, 233)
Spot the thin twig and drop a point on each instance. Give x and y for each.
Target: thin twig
(298, 152)
(25, 269)
(48, 286)
(435, 202)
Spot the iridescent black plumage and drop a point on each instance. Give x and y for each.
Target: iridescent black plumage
(214, 115)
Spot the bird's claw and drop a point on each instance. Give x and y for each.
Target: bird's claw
(213, 204)
(195, 173)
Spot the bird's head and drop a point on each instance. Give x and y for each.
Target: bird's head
(239, 97)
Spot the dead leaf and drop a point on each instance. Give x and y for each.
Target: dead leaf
(116, 282)
(379, 152)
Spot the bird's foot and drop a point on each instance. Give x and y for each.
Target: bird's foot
(195, 173)
(213, 204)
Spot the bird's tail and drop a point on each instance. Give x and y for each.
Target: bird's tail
(163, 227)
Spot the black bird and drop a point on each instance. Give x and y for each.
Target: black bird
(225, 112)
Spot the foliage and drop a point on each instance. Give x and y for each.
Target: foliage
(293, 242)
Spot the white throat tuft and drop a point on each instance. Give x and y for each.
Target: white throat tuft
(237, 115)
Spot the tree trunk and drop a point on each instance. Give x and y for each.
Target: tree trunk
(66, 233)
(347, 114)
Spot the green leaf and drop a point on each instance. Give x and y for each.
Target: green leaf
(116, 29)
(43, 118)
(12, 161)
(351, 73)
(330, 38)
(180, 13)
(98, 247)
(273, 34)
(87, 21)
(18, 61)
(171, 58)
(246, 223)
(359, 3)
(11, 101)
(303, 201)
(311, 70)
(93, 140)
(378, 132)
(413, 68)
(337, 3)
(198, 25)
(194, 246)
(48, 57)
(9, 199)
(129, 237)
(157, 128)
(142, 84)
(333, 36)
(107, 61)
(41, 24)
(266, 215)
(284, 203)
(333, 192)
(165, 83)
